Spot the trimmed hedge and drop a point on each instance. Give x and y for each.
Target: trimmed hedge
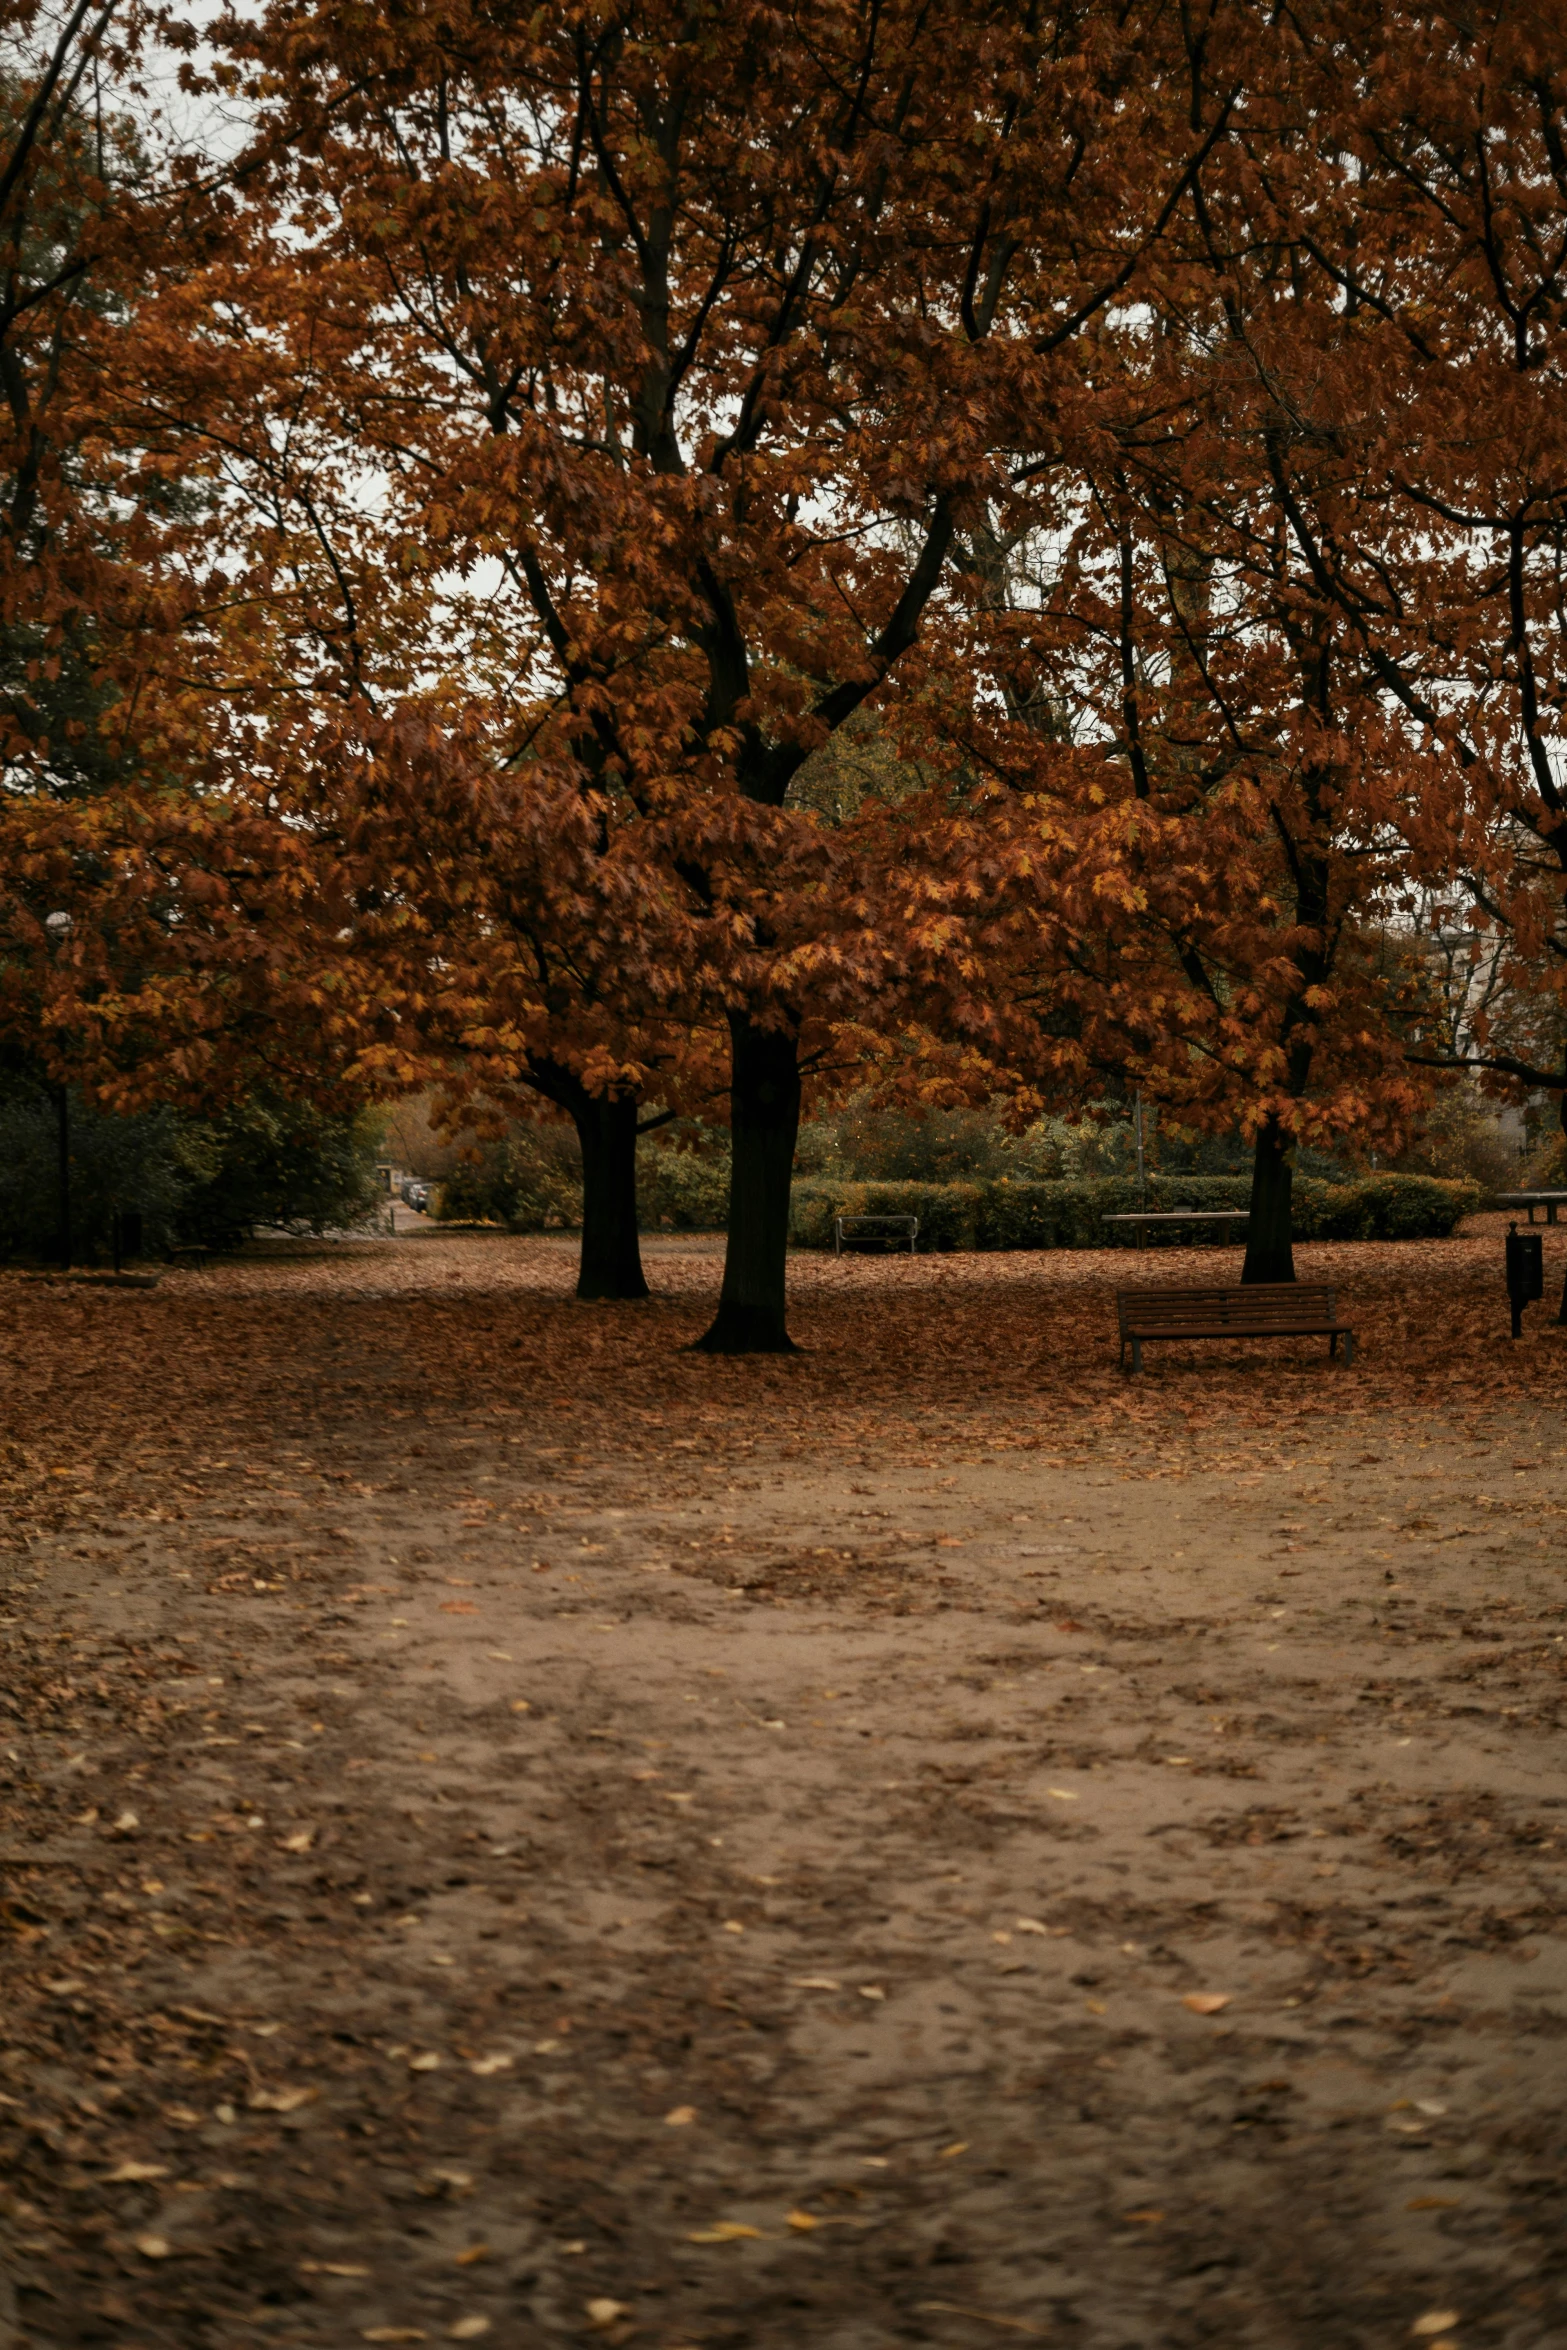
(1068, 1215)
(1385, 1207)
(948, 1212)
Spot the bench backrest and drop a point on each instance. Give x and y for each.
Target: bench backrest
(1256, 1305)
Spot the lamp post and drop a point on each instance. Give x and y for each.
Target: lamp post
(57, 929)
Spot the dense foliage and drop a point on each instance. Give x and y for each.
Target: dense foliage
(944, 547)
(191, 1181)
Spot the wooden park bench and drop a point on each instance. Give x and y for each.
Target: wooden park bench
(1550, 1201)
(1259, 1309)
(1145, 1218)
(875, 1232)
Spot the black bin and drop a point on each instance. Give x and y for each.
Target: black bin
(1525, 1272)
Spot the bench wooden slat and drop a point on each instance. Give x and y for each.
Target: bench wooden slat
(1263, 1309)
(1239, 1329)
(1202, 1310)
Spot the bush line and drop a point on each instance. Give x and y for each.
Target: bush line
(1066, 1214)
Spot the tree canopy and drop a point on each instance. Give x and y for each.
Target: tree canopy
(470, 534)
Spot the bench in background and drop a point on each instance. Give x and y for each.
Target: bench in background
(875, 1232)
(1550, 1201)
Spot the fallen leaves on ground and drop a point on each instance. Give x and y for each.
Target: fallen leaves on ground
(188, 1649)
(988, 2317)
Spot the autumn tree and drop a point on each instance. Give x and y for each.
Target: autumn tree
(1349, 451)
(511, 933)
(72, 217)
(680, 343)
(96, 599)
(1184, 889)
(1252, 685)
(1445, 242)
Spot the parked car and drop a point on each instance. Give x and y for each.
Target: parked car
(416, 1194)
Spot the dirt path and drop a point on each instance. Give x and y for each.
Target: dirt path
(517, 1832)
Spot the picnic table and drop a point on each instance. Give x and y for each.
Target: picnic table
(1550, 1201)
(1146, 1216)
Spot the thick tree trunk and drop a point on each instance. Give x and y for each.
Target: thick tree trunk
(611, 1265)
(764, 1126)
(1270, 1253)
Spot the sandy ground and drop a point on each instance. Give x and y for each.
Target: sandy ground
(515, 1831)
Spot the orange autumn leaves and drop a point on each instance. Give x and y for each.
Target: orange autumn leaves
(575, 430)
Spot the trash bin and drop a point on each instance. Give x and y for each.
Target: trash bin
(1525, 1272)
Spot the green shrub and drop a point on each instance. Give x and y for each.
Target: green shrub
(1545, 1170)
(863, 1143)
(1385, 1207)
(1461, 1136)
(529, 1178)
(210, 1181)
(1064, 1214)
(1070, 1213)
(860, 1141)
(118, 1165)
(948, 1212)
(683, 1190)
(479, 1190)
(286, 1165)
(812, 1207)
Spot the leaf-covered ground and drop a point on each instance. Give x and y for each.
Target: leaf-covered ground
(517, 1832)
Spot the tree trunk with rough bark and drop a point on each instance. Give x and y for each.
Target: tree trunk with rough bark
(764, 1126)
(1270, 1253)
(611, 1263)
